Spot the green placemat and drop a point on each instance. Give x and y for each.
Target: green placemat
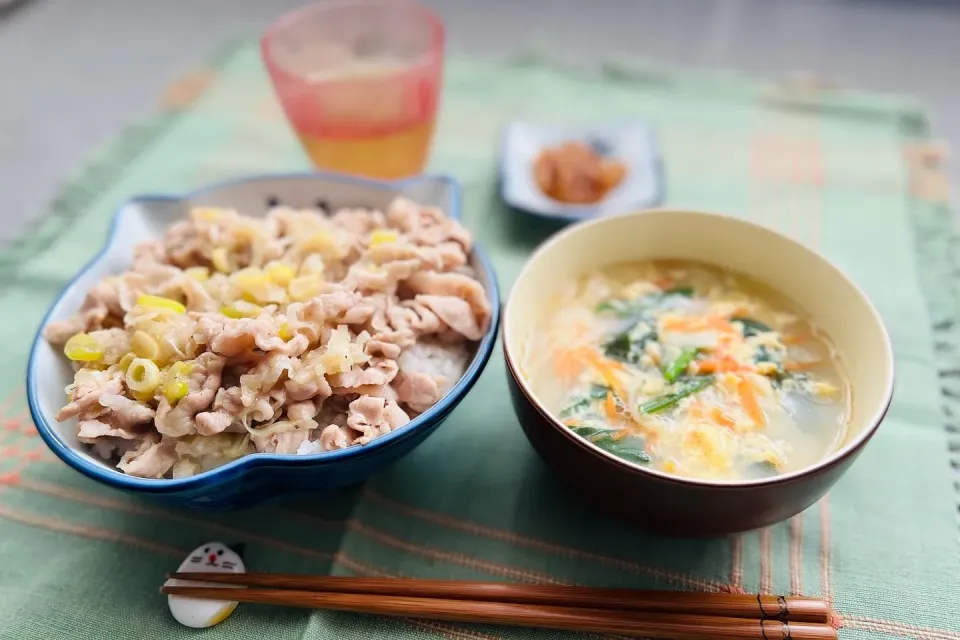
(474, 502)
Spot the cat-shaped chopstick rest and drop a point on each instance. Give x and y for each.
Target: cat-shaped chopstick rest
(212, 557)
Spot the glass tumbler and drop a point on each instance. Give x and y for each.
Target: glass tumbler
(359, 81)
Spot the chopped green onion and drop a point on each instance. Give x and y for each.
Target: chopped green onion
(679, 366)
(688, 387)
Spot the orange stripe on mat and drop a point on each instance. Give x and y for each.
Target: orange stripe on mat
(702, 584)
(766, 561)
(11, 399)
(455, 558)
(87, 531)
(826, 571)
(13, 477)
(16, 422)
(447, 631)
(356, 566)
(796, 555)
(736, 564)
(901, 629)
(66, 493)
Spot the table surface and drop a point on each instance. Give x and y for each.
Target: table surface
(73, 78)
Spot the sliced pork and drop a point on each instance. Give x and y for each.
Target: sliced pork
(300, 331)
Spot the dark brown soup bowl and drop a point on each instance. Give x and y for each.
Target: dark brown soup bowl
(668, 503)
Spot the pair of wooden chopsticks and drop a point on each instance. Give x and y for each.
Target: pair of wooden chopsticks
(669, 615)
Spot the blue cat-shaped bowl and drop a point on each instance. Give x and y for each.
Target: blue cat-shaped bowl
(260, 476)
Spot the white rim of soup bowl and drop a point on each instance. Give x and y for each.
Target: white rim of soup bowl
(830, 460)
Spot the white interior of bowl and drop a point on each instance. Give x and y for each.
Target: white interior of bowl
(837, 305)
(147, 219)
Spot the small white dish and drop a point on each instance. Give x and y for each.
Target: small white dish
(630, 141)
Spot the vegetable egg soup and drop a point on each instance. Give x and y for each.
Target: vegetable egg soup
(690, 370)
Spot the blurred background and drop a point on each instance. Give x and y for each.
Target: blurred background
(75, 73)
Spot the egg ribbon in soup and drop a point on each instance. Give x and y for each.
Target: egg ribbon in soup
(690, 370)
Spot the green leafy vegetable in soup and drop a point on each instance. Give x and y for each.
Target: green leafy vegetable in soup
(690, 370)
(628, 346)
(751, 327)
(617, 442)
(669, 400)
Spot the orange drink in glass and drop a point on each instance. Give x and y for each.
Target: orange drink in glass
(359, 81)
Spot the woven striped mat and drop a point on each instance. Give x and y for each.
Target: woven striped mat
(855, 175)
